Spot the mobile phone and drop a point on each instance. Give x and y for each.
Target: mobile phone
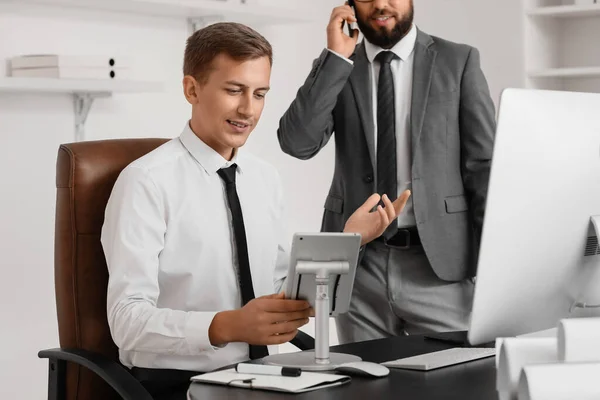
(353, 25)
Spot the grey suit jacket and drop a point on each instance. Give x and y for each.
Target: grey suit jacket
(452, 132)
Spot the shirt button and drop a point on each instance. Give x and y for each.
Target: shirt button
(369, 178)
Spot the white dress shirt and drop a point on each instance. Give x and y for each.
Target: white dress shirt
(170, 250)
(402, 73)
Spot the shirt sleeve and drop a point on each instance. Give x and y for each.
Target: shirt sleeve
(341, 56)
(133, 236)
(283, 261)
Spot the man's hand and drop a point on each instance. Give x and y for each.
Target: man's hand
(337, 40)
(371, 225)
(266, 320)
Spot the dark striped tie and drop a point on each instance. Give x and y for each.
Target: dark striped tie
(386, 134)
(239, 232)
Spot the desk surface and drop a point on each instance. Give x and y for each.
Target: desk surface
(474, 380)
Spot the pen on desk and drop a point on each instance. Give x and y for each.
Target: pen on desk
(261, 369)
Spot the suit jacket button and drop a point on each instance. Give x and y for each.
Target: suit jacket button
(369, 178)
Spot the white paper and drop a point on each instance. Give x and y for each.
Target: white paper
(499, 342)
(538, 334)
(579, 340)
(305, 382)
(577, 381)
(515, 353)
(503, 395)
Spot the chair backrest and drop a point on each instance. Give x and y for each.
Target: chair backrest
(85, 175)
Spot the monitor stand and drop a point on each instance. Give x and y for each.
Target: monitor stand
(320, 359)
(589, 280)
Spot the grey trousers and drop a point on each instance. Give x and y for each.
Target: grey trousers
(397, 293)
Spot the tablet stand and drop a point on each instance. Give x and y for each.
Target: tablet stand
(320, 359)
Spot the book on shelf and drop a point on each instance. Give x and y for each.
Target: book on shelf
(72, 73)
(67, 61)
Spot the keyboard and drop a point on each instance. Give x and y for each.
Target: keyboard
(443, 358)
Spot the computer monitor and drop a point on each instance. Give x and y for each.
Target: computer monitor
(539, 253)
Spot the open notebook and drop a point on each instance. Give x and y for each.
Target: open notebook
(304, 383)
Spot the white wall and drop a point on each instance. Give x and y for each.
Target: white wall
(33, 126)
(494, 27)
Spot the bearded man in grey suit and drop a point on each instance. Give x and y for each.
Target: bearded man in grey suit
(413, 112)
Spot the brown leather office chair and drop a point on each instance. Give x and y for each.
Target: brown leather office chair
(86, 365)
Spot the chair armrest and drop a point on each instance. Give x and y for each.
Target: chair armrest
(303, 341)
(112, 373)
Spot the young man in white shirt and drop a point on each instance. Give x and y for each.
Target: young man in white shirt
(193, 233)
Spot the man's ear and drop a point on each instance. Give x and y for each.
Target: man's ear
(190, 86)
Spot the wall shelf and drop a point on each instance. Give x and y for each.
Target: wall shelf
(197, 13)
(83, 91)
(230, 10)
(561, 45)
(567, 11)
(97, 87)
(585, 72)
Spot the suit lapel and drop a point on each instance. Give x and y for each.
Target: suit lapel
(360, 80)
(424, 60)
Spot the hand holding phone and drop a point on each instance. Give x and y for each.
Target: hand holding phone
(337, 40)
(353, 25)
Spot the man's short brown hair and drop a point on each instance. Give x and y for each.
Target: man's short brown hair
(236, 40)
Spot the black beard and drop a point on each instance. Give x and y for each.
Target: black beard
(383, 39)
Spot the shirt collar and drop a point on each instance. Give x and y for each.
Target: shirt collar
(209, 159)
(402, 49)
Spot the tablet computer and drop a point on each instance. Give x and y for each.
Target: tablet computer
(323, 247)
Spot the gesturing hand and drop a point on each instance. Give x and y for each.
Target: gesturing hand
(372, 224)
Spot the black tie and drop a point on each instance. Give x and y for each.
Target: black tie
(239, 232)
(386, 134)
